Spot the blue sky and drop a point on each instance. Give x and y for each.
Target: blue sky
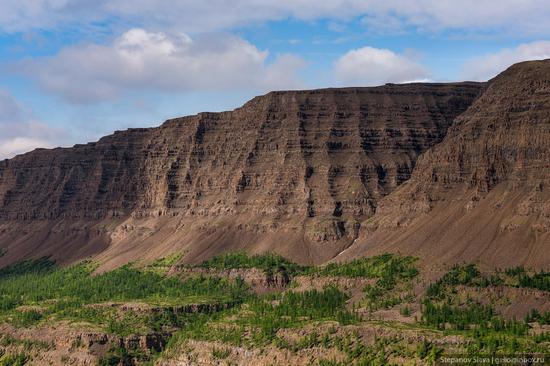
(74, 70)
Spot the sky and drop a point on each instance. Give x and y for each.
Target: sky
(72, 71)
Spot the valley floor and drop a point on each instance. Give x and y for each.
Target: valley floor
(236, 309)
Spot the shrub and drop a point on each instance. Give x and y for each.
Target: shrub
(14, 360)
(539, 280)
(405, 311)
(221, 353)
(270, 263)
(457, 317)
(386, 267)
(26, 318)
(29, 283)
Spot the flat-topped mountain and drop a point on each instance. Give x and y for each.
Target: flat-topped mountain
(447, 172)
(483, 193)
(296, 172)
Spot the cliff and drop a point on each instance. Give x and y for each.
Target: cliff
(297, 172)
(483, 193)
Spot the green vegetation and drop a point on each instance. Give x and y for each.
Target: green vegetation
(405, 311)
(474, 316)
(211, 328)
(203, 306)
(539, 280)
(19, 359)
(429, 352)
(161, 266)
(293, 308)
(26, 318)
(76, 283)
(358, 352)
(535, 316)
(65, 292)
(121, 356)
(392, 274)
(221, 353)
(257, 324)
(31, 266)
(386, 267)
(270, 263)
(7, 340)
(488, 332)
(469, 275)
(21, 350)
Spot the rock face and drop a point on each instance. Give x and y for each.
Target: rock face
(64, 344)
(294, 172)
(446, 172)
(484, 191)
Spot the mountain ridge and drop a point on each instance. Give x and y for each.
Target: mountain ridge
(300, 167)
(482, 193)
(313, 175)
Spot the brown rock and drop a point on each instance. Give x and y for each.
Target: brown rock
(295, 172)
(483, 192)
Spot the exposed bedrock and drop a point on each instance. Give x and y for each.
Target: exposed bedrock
(297, 172)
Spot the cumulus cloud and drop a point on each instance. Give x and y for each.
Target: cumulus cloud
(369, 66)
(515, 16)
(18, 131)
(487, 66)
(155, 60)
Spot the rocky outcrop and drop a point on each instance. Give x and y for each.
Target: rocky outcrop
(64, 344)
(289, 171)
(483, 192)
(258, 280)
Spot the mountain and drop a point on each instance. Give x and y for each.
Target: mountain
(297, 172)
(483, 193)
(378, 190)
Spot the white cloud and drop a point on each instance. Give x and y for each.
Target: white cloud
(487, 66)
(383, 23)
(139, 59)
(369, 66)
(10, 109)
(18, 145)
(502, 16)
(18, 131)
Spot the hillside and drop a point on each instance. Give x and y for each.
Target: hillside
(483, 192)
(412, 224)
(295, 172)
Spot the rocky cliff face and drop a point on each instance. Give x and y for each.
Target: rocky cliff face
(483, 192)
(287, 171)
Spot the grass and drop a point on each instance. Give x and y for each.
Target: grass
(466, 275)
(270, 263)
(535, 316)
(469, 275)
(488, 333)
(538, 280)
(259, 320)
(26, 318)
(19, 359)
(270, 314)
(123, 284)
(121, 356)
(7, 340)
(161, 266)
(387, 267)
(38, 291)
(65, 293)
(221, 353)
